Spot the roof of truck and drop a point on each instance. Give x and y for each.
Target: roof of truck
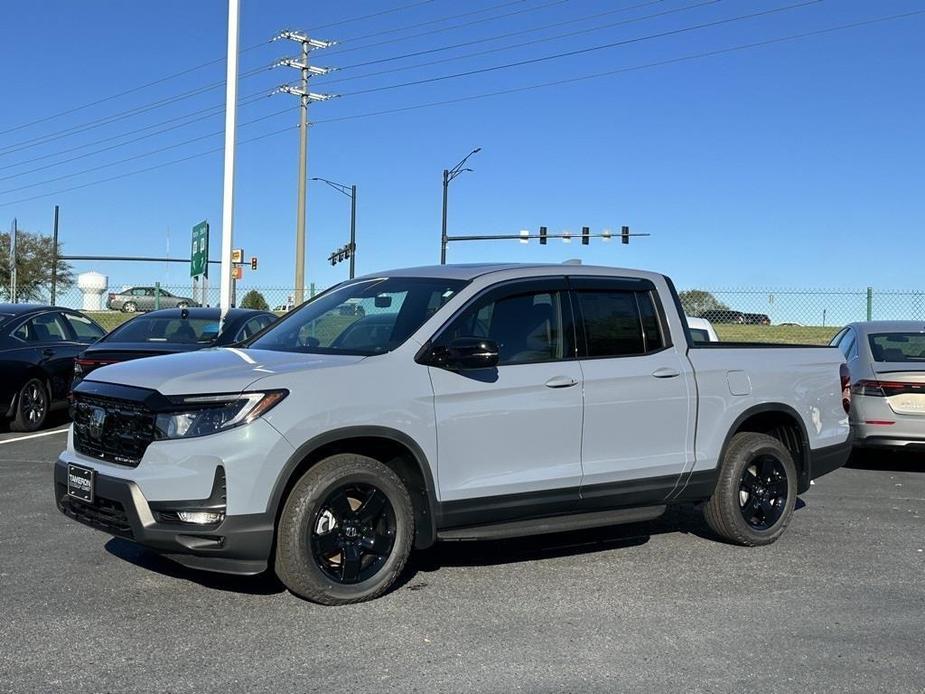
(471, 271)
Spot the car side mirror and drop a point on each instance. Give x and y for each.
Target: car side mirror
(467, 353)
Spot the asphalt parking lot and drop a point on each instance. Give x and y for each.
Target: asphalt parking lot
(837, 605)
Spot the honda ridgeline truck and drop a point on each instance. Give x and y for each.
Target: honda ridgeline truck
(457, 402)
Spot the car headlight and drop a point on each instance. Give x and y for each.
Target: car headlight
(201, 415)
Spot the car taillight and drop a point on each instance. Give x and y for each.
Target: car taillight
(885, 389)
(868, 387)
(845, 387)
(81, 364)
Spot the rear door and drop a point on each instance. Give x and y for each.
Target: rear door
(513, 429)
(638, 389)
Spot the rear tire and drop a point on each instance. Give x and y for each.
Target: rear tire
(183, 304)
(129, 307)
(31, 406)
(756, 491)
(345, 531)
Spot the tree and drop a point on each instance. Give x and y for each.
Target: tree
(33, 267)
(696, 301)
(254, 299)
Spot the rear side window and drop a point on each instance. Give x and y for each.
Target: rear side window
(84, 328)
(619, 323)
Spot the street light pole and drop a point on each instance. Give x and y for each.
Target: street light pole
(352, 194)
(449, 175)
(353, 230)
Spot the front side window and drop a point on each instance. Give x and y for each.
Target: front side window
(366, 318)
(45, 328)
(619, 323)
(528, 327)
(898, 347)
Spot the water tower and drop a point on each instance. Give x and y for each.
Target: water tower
(92, 285)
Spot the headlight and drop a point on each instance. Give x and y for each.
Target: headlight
(201, 415)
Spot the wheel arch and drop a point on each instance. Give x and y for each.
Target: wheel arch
(783, 423)
(391, 447)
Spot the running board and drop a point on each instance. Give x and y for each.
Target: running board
(553, 524)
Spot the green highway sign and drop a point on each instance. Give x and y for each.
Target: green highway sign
(199, 253)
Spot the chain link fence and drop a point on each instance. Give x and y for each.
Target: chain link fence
(750, 314)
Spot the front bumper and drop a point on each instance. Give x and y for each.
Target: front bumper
(239, 544)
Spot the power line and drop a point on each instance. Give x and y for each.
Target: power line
(374, 14)
(502, 92)
(545, 39)
(131, 90)
(631, 68)
(449, 28)
(582, 51)
(140, 156)
(430, 22)
(213, 111)
(149, 168)
(106, 120)
(186, 71)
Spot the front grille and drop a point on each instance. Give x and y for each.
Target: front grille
(102, 514)
(117, 431)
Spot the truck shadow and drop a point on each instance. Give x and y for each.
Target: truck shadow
(262, 584)
(886, 461)
(685, 519)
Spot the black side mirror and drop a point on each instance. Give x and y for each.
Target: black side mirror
(467, 353)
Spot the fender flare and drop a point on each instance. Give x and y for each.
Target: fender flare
(424, 536)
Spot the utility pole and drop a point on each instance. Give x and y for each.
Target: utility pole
(306, 70)
(231, 98)
(54, 259)
(449, 175)
(13, 263)
(352, 247)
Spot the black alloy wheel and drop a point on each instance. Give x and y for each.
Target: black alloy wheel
(763, 491)
(353, 533)
(31, 406)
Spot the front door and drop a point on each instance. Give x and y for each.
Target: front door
(514, 429)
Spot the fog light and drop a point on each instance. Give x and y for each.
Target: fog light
(201, 517)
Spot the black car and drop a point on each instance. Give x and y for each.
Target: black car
(171, 330)
(38, 345)
(723, 315)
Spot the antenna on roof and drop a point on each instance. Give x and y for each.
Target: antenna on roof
(572, 261)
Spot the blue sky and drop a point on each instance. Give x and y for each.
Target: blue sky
(796, 164)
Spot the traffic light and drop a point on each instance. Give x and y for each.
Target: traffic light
(254, 263)
(625, 235)
(585, 236)
(542, 236)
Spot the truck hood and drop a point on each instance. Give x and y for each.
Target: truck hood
(218, 370)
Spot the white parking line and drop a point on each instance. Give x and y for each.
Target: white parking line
(34, 436)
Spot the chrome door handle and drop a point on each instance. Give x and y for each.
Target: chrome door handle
(666, 372)
(561, 382)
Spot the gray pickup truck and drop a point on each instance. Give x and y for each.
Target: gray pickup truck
(461, 402)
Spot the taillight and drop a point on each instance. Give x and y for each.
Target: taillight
(89, 364)
(868, 387)
(845, 387)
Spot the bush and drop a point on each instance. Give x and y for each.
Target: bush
(254, 299)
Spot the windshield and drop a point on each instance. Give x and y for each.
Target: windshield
(172, 330)
(898, 347)
(365, 318)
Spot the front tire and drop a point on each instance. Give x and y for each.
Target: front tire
(756, 492)
(129, 307)
(345, 531)
(31, 406)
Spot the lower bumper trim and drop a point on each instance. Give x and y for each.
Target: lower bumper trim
(822, 461)
(238, 545)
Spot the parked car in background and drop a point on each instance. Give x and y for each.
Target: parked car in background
(701, 330)
(168, 331)
(724, 316)
(467, 402)
(886, 360)
(135, 299)
(38, 345)
(757, 319)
